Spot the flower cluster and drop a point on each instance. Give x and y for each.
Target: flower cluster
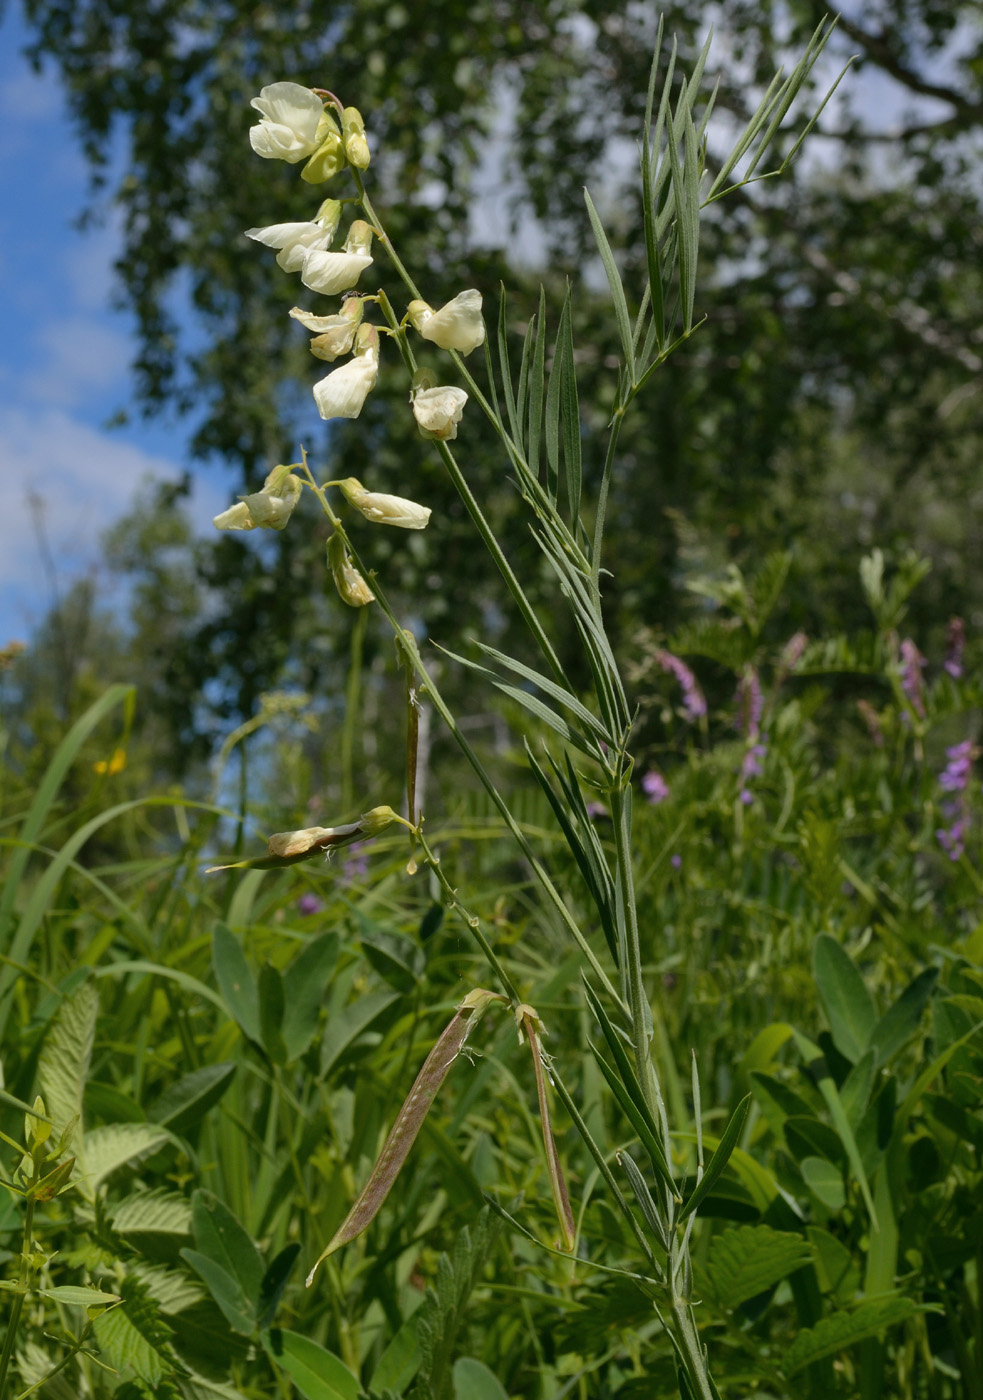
(694, 705)
(953, 780)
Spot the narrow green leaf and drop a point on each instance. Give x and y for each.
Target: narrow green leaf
(317, 1373)
(219, 1236)
(236, 982)
(274, 1284)
(271, 1004)
(644, 1198)
(226, 1291)
(304, 983)
(78, 1296)
(569, 410)
(900, 1022)
(639, 1121)
(505, 368)
(855, 1091)
(188, 1099)
(537, 380)
(614, 283)
(848, 1005)
(720, 1158)
(556, 692)
(834, 1334)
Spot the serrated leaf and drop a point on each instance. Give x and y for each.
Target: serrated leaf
(65, 1057)
(113, 1146)
(317, 1373)
(170, 1290)
(848, 1004)
(746, 1261)
(837, 1271)
(834, 1334)
(158, 1212)
(134, 1340)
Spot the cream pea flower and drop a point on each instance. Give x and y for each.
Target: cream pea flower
(331, 273)
(268, 509)
(296, 240)
(456, 326)
(335, 334)
(438, 411)
(351, 586)
(342, 393)
(291, 115)
(385, 510)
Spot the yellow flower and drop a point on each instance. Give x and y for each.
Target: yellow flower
(110, 767)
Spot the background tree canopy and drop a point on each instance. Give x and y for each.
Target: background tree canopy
(830, 402)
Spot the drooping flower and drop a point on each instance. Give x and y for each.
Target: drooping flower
(351, 586)
(655, 787)
(694, 705)
(331, 273)
(353, 135)
(456, 326)
(291, 115)
(296, 240)
(335, 335)
(438, 411)
(385, 510)
(268, 509)
(342, 393)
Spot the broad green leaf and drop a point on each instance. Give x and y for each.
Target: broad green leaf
(274, 1284)
(778, 1100)
(825, 1179)
(834, 1334)
(346, 1027)
(717, 1163)
(855, 1090)
(236, 982)
(304, 982)
(745, 1261)
(219, 1235)
(900, 1022)
(65, 1057)
(189, 1098)
(78, 1296)
(318, 1374)
(809, 1137)
(271, 1004)
(474, 1381)
(236, 1308)
(400, 1361)
(157, 1212)
(848, 1005)
(108, 1148)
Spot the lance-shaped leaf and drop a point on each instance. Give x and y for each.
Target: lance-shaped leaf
(531, 1027)
(409, 1120)
(289, 847)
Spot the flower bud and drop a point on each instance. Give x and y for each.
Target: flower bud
(36, 1131)
(268, 509)
(456, 326)
(291, 118)
(350, 584)
(342, 393)
(438, 411)
(353, 132)
(385, 510)
(336, 334)
(329, 156)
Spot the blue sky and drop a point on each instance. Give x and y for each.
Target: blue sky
(64, 358)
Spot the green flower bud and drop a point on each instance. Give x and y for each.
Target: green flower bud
(351, 586)
(329, 158)
(353, 132)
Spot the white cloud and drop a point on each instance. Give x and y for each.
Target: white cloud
(86, 479)
(81, 355)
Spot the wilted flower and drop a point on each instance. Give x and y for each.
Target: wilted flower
(293, 844)
(438, 411)
(331, 273)
(382, 509)
(456, 326)
(655, 787)
(296, 240)
(912, 665)
(351, 586)
(694, 705)
(289, 128)
(955, 642)
(342, 393)
(353, 135)
(335, 334)
(268, 509)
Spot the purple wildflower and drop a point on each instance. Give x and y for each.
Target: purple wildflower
(750, 703)
(655, 787)
(955, 775)
(792, 651)
(596, 809)
(912, 665)
(751, 767)
(309, 904)
(676, 860)
(694, 705)
(955, 641)
(356, 862)
(951, 838)
(954, 779)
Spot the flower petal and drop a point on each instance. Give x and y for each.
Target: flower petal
(342, 393)
(331, 273)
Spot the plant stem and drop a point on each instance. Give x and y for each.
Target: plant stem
(17, 1307)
